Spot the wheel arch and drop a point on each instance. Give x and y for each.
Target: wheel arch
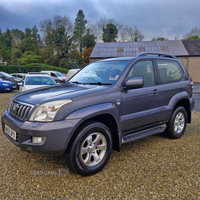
(181, 99)
(106, 113)
(106, 119)
(186, 104)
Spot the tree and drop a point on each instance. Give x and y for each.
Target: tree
(135, 34)
(31, 41)
(159, 39)
(193, 34)
(86, 56)
(6, 45)
(110, 33)
(101, 25)
(88, 40)
(29, 57)
(72, 63)
(193, 38)
(79, 29)
(57, 37)
(124, 34)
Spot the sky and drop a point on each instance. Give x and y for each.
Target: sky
(155, 18)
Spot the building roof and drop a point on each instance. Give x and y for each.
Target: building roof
(192, 46)
(134, 49)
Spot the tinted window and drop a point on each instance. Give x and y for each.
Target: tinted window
(143, 69)
(169, 71)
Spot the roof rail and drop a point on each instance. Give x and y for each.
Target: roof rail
(158, 54)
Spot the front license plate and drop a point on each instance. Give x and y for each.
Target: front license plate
(14, 86)
(10, 132)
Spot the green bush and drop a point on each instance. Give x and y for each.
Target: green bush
(19, 69)
(52, 68)
(36, 67)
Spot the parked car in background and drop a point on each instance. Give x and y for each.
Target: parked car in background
(33, 81)
(19, 75)
(8, 77)
(56, 74)
(71, 73)
(54, 78)
(7, 85)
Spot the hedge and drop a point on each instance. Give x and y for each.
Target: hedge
(24, 69)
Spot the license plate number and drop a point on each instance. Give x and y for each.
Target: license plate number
(14, 87)
(10, 132)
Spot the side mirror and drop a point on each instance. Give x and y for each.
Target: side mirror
(21, 84)
(133, 83)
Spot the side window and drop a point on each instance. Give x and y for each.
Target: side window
(143, 69)
(169, 71)
(52, 74)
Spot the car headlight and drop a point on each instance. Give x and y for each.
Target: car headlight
(5, 84)
(47, 112)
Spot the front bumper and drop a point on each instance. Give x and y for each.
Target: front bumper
(57, 134)
(9, 88)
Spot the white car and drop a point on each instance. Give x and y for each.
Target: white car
(71, 73)
(33, 81)
(56, 74)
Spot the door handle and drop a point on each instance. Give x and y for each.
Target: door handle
(155, 91)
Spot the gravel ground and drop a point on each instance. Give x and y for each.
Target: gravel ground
(152, 168)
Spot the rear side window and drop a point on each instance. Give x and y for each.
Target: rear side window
(169, 71)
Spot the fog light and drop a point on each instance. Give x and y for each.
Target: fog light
(38, 140)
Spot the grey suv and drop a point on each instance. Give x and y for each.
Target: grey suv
(106, 104)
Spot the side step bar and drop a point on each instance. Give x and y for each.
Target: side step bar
(144, 133)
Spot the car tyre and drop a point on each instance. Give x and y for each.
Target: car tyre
(90, 150)
(177, 123)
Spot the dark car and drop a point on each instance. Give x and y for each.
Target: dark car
(106, 104)
(6, 86)
(8, 77)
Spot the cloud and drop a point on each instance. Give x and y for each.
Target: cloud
(156, 18)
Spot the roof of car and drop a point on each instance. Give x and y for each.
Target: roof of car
(118, 59)
(143, 55)
(38, 75)
(19, 73)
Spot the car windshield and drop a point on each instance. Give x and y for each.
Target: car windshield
(59, 74)
(35, 80)
(100, 73)
(6, 75)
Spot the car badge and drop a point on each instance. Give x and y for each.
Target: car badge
(16, 107)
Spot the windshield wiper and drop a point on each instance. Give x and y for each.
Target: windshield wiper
(76, 82)
(99, 83)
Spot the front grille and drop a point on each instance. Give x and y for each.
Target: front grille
(20, 110)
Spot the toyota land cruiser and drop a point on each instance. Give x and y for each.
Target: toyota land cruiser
(106, 104)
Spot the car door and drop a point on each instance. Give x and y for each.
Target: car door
(139, 106)
(170, 75)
